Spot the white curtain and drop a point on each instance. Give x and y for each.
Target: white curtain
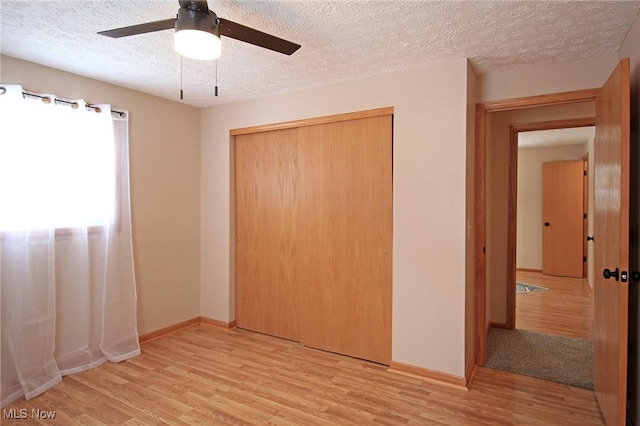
(67, 286)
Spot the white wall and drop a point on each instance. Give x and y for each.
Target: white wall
(429, 212)
(529, 221)
(553, 78)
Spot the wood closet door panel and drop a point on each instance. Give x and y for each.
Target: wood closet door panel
(345, 290)
(267, 262)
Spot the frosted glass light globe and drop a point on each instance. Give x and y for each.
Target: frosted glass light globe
(197, 44)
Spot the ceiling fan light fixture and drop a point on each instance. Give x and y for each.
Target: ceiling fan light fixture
(197, 44)
(198, 31)
(196, 35)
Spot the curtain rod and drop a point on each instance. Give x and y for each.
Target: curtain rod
(64, 101)
(26, 92)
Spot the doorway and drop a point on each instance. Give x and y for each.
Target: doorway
(552, 326)
(611, 223)
(528, 215)
(483, 118)
(567, 148)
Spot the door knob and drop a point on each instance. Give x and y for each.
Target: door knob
(608, 274)
(590, 238)
(547, 224)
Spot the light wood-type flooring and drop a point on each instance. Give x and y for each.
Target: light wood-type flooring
(208, 376)
(565, 309)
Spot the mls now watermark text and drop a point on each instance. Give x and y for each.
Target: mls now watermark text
(23, 413)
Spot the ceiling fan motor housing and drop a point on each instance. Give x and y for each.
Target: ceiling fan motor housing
(196, 20)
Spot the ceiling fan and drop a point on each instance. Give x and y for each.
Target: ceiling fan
(198, 31)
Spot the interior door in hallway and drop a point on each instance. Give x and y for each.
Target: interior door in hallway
(346, 295)
(611, 244)
(562, 213)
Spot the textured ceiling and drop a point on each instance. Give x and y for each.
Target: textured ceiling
(556, 137)
(341, 40)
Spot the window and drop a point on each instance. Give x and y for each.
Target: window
(68, 303)
(57, 165)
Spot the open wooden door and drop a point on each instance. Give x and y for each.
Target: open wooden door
(562, 213)
(611, 244)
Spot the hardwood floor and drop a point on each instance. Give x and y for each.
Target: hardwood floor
(208, 376)
(566, 309)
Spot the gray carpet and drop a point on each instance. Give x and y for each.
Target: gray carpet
(555, 358)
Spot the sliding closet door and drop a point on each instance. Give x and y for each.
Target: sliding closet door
(267, 253)
(345, 289)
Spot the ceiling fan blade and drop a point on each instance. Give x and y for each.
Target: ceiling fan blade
(252, 36)
(148, 27)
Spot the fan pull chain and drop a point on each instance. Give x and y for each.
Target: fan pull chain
(216, 91)
(181, 77)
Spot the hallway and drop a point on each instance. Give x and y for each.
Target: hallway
(565, 309)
